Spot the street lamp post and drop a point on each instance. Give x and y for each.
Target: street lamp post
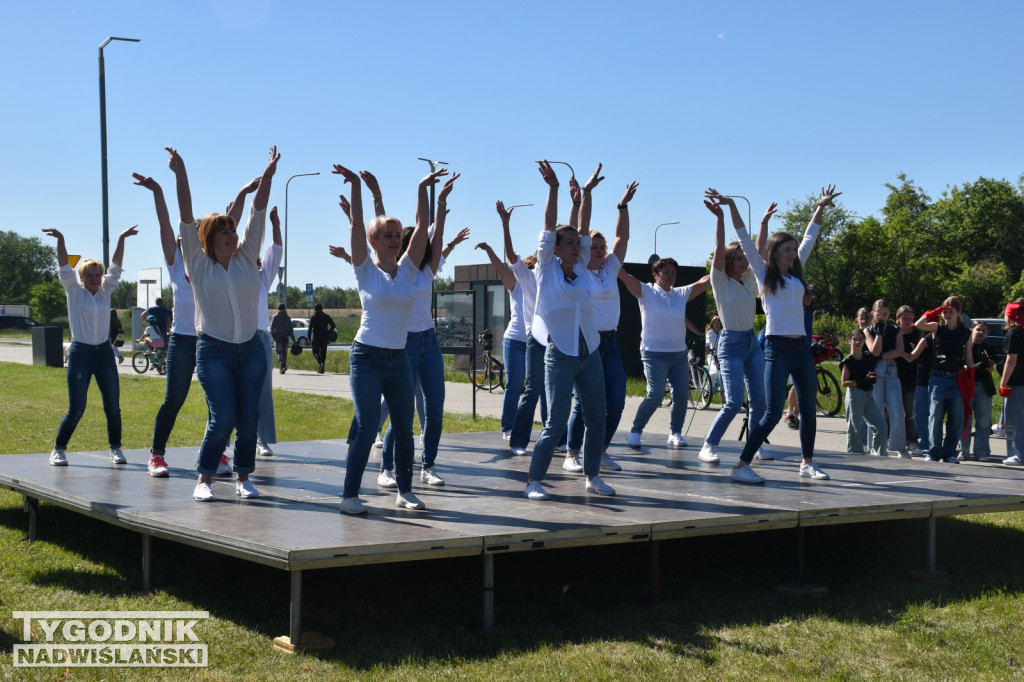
(739, 196)
(654, 256)
(504, 256)
(103, 148)
(433, 167)
(284, 294)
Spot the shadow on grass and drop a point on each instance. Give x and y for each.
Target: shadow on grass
(430, 611)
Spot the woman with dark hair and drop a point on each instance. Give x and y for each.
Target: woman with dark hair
(883, 340)
(230, 356)
(379, 366)
(779, 273)
(740, 357)
(1011, 383)
(90, 355)
(320, 327)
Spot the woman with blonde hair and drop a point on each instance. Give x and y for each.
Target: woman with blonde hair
(884, 341)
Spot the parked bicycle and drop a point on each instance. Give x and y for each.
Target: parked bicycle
(486, 371)
(699, 385)
(142, 360)
(829, 397)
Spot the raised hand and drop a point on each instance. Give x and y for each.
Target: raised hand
(502, 213)
(346, 174)
(447, 189)
(340, 252)
(433, 177)
(174, 161)
(371, 182)
(462, 236)
(271, 168)
(345, 206)
(715, 207)
(53, 232)
(828, 195)
(594, 180)
(130, 232)
(146, 181)
(548, 173)
(574, 190)
(275, 221)
(251, 187)
(716, 196)
(769, 212)
(630, 192)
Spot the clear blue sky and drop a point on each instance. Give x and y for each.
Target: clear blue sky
(765, 99)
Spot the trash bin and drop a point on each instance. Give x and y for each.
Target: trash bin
(48, 346)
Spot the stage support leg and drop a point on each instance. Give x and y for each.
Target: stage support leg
(801, 588)
(147, 562)
(32, 507)
(931, 544)
(488, 591)
(655, 570)
(296, 640)
(930, 574)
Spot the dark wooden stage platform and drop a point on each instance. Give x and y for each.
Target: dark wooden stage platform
(662, 494)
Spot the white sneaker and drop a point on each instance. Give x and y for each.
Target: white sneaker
(224, 467)
(676, 440)
(157, 467)
(58, 458)
(353, 506)
(708, 454)
(378, 442)
(409, 501)
(609, 463)
(633, 440)
(518, 452)
(245, 489)
(117, 457)
(905, 454)
(596, 485)
(572, 463)
(385, 479)
(505, 435)
(764, 454)
(997, 430)
(814, 471)
(745, 474)
(535, 491)
(263, 450)
(203, 492)
(1011, 461)
(430, 478)
(561, 448)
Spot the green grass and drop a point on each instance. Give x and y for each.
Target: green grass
(564, 614)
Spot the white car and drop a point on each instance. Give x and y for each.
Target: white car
(300, 328)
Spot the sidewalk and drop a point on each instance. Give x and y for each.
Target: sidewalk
(831, 433)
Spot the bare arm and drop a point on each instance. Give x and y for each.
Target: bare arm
(718, 259)
(440, 218)
(236, 207)
(587, 206)
(577, 200)
(167, 238)
(340, 252)
(275, 221)
(622, 224)
(418, 241)
(551, 207)
(698, 288)
(118, 256)
(177, 166)
(506, 216)
(262, 197)
(633, 285)
(874, 341)
(378, 199)
(828, 195)
(355, 214)
(504, 274)
(462, 236)
(762, 233)
(1008, 367)
(62, 251)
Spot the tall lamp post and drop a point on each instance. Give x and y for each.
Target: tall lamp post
(433, 167)
(103, 148)
(284, 294)
(654, 256)
(504, 256)
(739, 196)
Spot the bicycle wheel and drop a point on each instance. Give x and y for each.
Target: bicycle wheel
(161, 367)
(700, 387)
(830, 398)
(140, 362)
(482, 373)
(498, 370)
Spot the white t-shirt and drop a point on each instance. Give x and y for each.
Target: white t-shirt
(784, 310)
(271, 262)
(516, 329)
(604, 283)
(89, 314)
(563, 306)
(736, 301)
(663, 316)
(421, 318)
(387, 303)
(527, 280)
(183, 321)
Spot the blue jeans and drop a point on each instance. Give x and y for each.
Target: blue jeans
(514, 354)
(981, 405)
(1013, 421)
(944, 398)
(426, 369)
(374, 373)
(231, 375)
(861, 407)
(922, 408)
(563, 373)
(614, 396)
(785, 356)
(522, 426)
(266, 428)
(659, 367)
(181, 363)
(742, 362)
(84, 362)
(888, 392)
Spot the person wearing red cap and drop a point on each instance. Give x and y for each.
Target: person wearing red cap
(1011, 384)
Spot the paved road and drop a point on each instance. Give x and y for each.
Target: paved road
(831, 433)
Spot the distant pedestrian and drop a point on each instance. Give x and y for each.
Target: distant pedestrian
(281, 332)
(322, 331)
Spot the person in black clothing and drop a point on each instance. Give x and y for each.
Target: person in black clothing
(981, 404)
(281, 331)
(322, 331)
(116, 335)
(1011, 382)
(906, 368)
(859, 380)
(163, 318)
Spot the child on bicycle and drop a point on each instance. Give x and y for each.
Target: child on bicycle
(151, 338)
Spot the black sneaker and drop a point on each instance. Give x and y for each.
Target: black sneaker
(792, 421)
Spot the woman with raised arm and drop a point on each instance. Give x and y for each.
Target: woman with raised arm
(740, 358)
(780, 278)
(379, 366)
(230, 356)
(603, 270)
(565, 320)
(91, 355)
(266, 427)
(426, 365)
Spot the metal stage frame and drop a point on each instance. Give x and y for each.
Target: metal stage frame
(663, 494)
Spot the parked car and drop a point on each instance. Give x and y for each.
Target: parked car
(17, 322)
(301, 329)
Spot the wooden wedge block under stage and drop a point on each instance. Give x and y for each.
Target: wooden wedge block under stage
(662, 494)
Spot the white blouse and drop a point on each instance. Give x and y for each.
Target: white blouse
(564, 309)
(784, 309)
(89, 314)
(736, 301)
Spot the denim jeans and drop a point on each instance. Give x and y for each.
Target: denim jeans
(266, 428)
(909, 423)
(522, 426)
(231, 375)
(658, 368)
(888, 392)
(742, 362)
(614, 396)
(426, 369)
(282, 346)
(514, 354)
(785, 356)
(84, 362)
(374, 373)
(1013, 421)
(562, 374)
(922, 410)
(861, 406)
(181, 364)
(981, 405)
(944, 398)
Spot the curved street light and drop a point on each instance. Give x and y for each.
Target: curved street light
(504, 256)
(654, 256)
(565, 163)
(284, 294)
(433, 167)
(740, 196)
(103, 148)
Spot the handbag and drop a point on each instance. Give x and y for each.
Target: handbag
(119, 339)
(296, 349)
(332, 335)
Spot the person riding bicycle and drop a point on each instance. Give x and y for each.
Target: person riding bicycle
(151, 338)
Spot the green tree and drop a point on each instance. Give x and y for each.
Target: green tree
(48, 300)
(24, 263)
(125, 295)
